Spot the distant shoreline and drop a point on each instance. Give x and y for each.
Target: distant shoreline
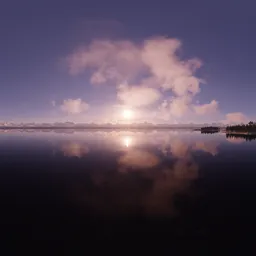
(95, 128)
(148, 128)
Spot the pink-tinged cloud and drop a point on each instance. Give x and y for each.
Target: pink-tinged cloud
(108, 60)
(160, 55)
(74, 106)
(236, 118)
(152, 65)
(179, 106)
(176, 107)
(124, 60)
(209, 108)
(137, 96)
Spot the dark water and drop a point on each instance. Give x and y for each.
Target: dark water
(59, 186)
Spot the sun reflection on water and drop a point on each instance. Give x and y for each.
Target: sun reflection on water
(127, 141)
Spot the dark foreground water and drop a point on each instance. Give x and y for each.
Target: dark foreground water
(153, 185)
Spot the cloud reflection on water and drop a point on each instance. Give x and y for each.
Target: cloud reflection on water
(139, 159)
(172, 181)
(147, 171)
(210, 147)
(74, 149)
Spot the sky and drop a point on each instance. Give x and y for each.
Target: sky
(164, 61)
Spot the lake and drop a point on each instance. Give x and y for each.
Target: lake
(57, 185)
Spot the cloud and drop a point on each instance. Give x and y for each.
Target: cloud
(137, 96)
(179, 105)
(236, 118)
(209, 108)
(176, 107)
(147, 69)
(123, 60)
(74, 106)
(53, 103)
(160, 55)
(109, 60)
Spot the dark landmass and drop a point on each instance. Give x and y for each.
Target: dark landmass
(210, 129)
(242, 129)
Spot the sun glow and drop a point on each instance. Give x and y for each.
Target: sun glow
(127, 114)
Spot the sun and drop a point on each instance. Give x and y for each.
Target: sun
(127, 114)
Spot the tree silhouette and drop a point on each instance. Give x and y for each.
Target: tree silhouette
(250, 127)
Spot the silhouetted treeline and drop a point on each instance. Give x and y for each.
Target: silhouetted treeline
(250, 127)
(210, 129)
(247, 137)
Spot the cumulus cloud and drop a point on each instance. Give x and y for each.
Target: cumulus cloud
(209, 108)
(159, 54)
(74, 106)
(147, 69)
(123, 60)
(236, 118)
(176, 107)
(179, 106)
(109, 60)
(137, 96)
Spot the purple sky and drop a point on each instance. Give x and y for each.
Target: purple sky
(169, 61)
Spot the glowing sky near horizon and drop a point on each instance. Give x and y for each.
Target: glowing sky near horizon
(92, 61)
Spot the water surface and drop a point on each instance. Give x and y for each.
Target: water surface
(61, 184)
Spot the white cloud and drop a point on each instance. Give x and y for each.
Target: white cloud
(236, 118)
(123, 60)
(160, 56)
(74, 106)
(109, 60)
(176, 107)
(153, 65)
(179, 106)
(137, 96)
(210, 108)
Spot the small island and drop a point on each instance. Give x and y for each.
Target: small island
(210, 129)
